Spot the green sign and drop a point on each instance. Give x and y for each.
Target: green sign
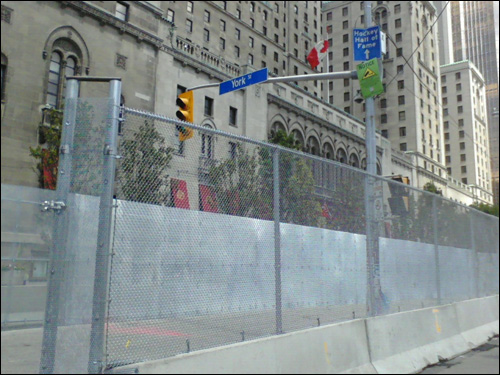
(369, 79)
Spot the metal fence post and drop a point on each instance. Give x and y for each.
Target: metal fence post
(436, 248)
(100, 296)
(58, 251)
(476, 255)
(277, 239)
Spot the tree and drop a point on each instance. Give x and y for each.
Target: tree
(244, 184)
(486, 208)
(143, 170)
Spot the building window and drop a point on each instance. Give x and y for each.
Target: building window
(346, 65)
(54, 80)
(345, 25)
(383, 103)
(250, 42)
(346, 97)
(445, 101)
(329, 29)
(459, 87)
(460, 109)
(403, 147)
(462, 145)
(252, 22)
(345, 38)
(4, 73)
(237, 51)
(206, 16)
(206, 35)
(233, 147)
(397, 8)
(402, 116)
(189, 26)
(383, 119)
(190, 6)
(401, 100)
(170, 15)
(402, 132)
(238, 34)
(457, 76)
(264, 30)
(463, 157)
(385, 133)
(250, 59)
(400, 69)
(121, 11)
(233, 116)
(401, 85)
(329, 16)
(222, 25)
(464, 169)
(206, 146)
(264, 49)
(222, 44)
(459, 98)
(209, 106)
(346, 52)
(461, 122)
(461, 134)
(345, 11)
(398, 23)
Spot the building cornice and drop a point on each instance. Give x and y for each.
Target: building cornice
(105, 18)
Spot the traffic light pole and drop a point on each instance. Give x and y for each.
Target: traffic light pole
(374, 292)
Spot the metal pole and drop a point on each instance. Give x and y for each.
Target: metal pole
(436, 249)
(58, 251)
(277, 238)
(372, 248)
(476, 255)
(101, 276)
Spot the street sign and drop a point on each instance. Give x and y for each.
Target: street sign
(369, 79)
(367, 43)
(243, 81)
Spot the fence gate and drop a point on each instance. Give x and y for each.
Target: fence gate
(74, 325)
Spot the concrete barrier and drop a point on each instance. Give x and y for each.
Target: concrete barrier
(338, 348)
(478, 319)
(410, 341)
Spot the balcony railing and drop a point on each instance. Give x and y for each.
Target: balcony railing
(207, 57)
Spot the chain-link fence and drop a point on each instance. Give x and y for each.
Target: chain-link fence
(216, 240)
(220, 239)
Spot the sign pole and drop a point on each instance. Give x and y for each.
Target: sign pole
(372, 245)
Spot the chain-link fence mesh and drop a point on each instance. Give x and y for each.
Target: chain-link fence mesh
(219, 239)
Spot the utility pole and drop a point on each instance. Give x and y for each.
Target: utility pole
(372, 240)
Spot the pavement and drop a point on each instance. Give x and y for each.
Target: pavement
(482, 360)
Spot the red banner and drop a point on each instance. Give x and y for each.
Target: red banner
(179, 193)
(49, 171)
(208, 199)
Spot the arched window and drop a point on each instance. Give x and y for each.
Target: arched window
(341, 156)
(207, 144)
(65, 61)
(354, 161)
(313, 146)
(54, 80)
(299, 140)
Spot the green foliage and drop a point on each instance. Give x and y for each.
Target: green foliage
(244, 184)
(48, 155)
(486, 208)
(143, 169)
(430, 187)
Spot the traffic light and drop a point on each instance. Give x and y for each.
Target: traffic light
(400, 196)
(185, 101)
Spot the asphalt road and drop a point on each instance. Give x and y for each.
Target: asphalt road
(482, 360)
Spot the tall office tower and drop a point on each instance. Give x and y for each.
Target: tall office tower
(409, 112)
(274, 34)
(474, 39)
(445, 32)
(466, 129)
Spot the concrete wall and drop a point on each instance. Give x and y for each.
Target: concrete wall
(398, 343)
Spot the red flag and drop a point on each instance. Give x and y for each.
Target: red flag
(179, 193)
(325, 212)
(318, 53)
(208, 200)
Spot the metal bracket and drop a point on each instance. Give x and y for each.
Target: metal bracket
(52, 205)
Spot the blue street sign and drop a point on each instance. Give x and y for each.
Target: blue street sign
(367, 44)
(243, 81)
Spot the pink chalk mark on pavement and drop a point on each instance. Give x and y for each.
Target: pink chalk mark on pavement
(152, 331)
